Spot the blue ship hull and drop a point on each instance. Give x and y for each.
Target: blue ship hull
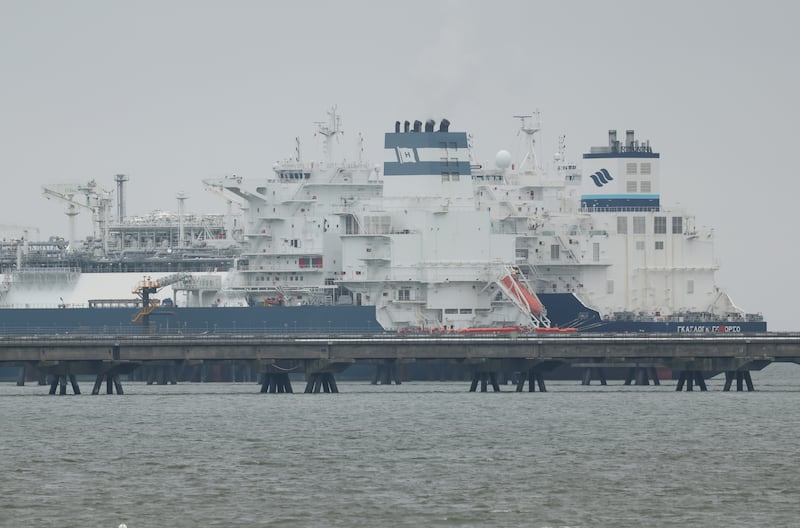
(564, 310)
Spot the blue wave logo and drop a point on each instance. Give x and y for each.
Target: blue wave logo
(601, 177)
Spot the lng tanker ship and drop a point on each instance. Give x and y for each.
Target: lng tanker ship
(429, 241)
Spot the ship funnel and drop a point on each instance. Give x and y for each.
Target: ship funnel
(612, 138)
(417, 126)
(629, 138)
(444, 126)
(429, 124)
(397, 127)
(406, 126)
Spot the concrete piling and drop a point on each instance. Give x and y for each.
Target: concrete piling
(742, 378)
(58, 384)
(321, 381)
(112, 382)
(689, 378)
(534, 377)
(276, 383)
(385, 373)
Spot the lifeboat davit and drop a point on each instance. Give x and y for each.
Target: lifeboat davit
(523, 294)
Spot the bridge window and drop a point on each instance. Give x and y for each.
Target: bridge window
(622, 225)
(638, 225)
(451, 311)
(554, 252)
(404, 294)
(644, 168)
(445, 177)
(660, 225)
(677, 225)
(659, 244)
(631, 187)
(630, 168)
(465, 311)
(644, 187)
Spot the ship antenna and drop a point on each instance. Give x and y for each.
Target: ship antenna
(530, 129)
(297, 149)
(330, 130)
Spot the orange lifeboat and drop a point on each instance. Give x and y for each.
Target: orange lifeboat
(523, 294)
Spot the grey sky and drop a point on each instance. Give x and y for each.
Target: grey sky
(174, 92)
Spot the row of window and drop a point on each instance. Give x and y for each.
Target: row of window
(644, 168)
(634, 186)
(452, 176)
(555, 250)
(640, 244)
(278, 278)
(294, 175)
(640, 225)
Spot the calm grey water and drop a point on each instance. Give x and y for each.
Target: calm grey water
(421, 454)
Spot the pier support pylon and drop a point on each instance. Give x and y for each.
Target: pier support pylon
(59, 383)
(386, 372)
(642, 376)
(740, 376)
(321, 381)
(484, 378)
(689, 378)
(593, 372)
(533, 377)
(276, 383)
(112, 382)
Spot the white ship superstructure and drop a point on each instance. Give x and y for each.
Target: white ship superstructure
(435, 241)
(294, 221)
(603, 235)
(427, 256)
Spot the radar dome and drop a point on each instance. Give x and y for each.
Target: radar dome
(503, 159)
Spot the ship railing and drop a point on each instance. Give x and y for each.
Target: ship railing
(293, 329)
(644, 209)
(42, 306)
(365, 328)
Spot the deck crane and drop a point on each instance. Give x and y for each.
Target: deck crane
(83, 196)
(146, 287)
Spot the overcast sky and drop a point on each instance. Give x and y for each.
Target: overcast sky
(174, 92)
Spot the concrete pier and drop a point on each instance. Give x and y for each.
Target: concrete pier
(321, 357)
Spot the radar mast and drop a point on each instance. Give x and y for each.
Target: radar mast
(530, 128)
(332, 129)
